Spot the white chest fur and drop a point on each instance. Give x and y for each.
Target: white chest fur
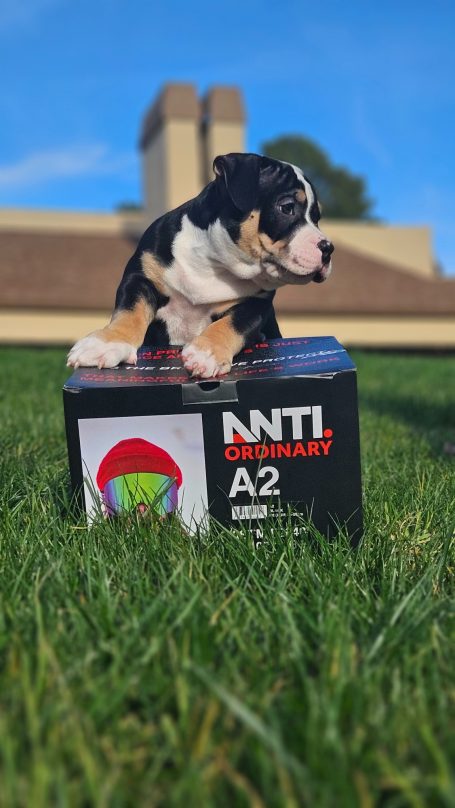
(208, 267)
(184, 321)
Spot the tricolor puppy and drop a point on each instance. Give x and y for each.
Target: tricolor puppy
(205, 274)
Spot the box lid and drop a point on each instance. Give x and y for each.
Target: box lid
(278, 358)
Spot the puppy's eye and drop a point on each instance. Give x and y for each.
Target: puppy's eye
(287, 207)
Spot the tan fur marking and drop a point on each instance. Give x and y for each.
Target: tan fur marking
(249, 240)
(219, 308)
(221, 339)
(257, 244)
(300, 195)
(128, 325)
(270, 246)
(154, 271)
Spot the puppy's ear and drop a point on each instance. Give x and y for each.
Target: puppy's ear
(241, 175)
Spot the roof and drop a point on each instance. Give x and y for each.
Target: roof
(61, 270)
(81, 271)
(363, 285)
(223, 104)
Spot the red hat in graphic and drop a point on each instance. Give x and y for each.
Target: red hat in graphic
(133, 455)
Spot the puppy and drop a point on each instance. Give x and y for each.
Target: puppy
(204, 275)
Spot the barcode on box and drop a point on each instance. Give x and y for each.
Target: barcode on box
(249, 512)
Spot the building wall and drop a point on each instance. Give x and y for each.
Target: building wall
(371, 332)
(407, 247)
(25, 327)
(172, 172)
(154, 176)
(62, 221)
(182, 165)
(63, 328)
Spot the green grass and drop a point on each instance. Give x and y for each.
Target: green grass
(145, 670)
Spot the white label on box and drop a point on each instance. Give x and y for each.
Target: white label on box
(240, 512)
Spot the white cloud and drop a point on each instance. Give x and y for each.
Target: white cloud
(70, 162)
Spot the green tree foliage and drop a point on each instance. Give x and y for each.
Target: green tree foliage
(128, 207)
(343, 195)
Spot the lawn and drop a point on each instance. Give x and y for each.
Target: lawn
(146, 670)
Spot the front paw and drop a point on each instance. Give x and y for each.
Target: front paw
(200, 360)
(94, 351)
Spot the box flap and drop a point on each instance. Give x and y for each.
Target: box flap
(302, 356)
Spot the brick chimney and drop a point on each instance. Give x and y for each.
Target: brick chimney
(180, 138)
(222, 126)
(170, 149)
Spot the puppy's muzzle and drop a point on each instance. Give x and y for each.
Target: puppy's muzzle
(326, 248)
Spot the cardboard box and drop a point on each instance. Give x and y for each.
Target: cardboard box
(281, 429)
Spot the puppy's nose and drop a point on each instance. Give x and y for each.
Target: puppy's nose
(326, 248)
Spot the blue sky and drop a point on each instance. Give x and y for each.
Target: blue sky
(373, 83)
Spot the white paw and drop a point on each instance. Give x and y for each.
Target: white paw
(200, 362)
(92, 351)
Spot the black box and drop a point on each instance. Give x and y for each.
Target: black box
(281, 429)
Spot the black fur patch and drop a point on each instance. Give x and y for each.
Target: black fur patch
(204, 209)
(159, 237)
(251, 316)
(157, 334)
(279, 182)
(241, 174)
(135, 286)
